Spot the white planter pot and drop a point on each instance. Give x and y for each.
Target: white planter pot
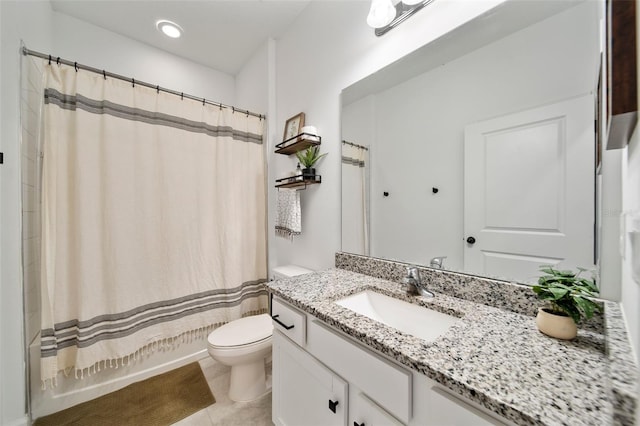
(558, 326)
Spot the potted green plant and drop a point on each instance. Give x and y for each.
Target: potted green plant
(308, 158)
(569, 299)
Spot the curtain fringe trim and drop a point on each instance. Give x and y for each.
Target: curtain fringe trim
(286, 233)
(163, 344)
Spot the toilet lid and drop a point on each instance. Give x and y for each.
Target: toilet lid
(242, 331)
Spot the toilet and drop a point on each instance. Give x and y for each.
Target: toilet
(244, 344)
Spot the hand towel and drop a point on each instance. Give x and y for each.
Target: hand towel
(288, 215)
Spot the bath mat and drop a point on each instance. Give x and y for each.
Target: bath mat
(159, 400)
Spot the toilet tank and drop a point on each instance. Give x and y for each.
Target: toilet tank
(288, 271)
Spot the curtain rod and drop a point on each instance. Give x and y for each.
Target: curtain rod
(356, 145)
(106, 74)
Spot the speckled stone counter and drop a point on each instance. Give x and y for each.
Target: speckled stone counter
(494, 357)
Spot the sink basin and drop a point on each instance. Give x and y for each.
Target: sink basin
(415, 320)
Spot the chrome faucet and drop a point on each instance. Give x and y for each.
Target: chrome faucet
(413, 283)
(437, 262)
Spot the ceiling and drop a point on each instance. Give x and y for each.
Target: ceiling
(221, 34)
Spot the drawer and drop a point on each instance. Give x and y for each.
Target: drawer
(289, 321)
(451, 410)
(363, 411)
(386, 383)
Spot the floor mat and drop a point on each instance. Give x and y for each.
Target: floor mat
(159, 400)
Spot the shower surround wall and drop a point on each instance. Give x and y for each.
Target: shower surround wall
(31, 87)
(30, 114)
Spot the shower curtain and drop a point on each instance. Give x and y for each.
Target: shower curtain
(355, 200)
(153, 220)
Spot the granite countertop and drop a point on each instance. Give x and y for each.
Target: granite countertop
(491, 356)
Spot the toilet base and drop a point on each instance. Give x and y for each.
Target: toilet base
(248, 382)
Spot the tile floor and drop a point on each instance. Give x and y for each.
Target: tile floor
(225, 412)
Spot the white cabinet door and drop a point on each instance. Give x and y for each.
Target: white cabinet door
(305, 392)
(364, 412)
(528, 190)
(384, 381)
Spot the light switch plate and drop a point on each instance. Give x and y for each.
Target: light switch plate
(632, 232)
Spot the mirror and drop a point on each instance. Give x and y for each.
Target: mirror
(480, 147)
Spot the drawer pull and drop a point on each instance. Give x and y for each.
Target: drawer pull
(333, 405)
(358, 424)
(286, 327)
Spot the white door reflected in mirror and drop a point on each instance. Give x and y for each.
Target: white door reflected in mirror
(528, 190)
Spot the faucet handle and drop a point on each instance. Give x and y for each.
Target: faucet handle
(437, 262)
(413, 272)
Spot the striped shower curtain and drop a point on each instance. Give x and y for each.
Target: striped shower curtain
(355, 199)
(153, 220)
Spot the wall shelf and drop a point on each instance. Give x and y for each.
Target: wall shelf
(297, 143)
(293, 182)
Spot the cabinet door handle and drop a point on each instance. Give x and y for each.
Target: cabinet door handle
(358, 424)
(286, 327)
(333, 405)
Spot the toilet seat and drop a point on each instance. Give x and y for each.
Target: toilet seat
(242, 333)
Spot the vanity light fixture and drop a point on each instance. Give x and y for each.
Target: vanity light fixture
(383, 15)
(168, 28)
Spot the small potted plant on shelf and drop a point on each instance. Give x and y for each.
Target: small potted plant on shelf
(569, 299)
(308, 158)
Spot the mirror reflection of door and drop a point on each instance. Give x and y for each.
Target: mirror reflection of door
(529, 190)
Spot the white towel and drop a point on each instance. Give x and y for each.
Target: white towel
(288, 215)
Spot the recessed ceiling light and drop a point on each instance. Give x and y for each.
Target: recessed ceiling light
(168, 28)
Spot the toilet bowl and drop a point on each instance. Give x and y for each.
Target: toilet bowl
(243, 345)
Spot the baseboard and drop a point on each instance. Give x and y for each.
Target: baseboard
(73, 392)
(22, 421)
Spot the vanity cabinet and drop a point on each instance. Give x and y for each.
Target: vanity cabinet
(318, 370)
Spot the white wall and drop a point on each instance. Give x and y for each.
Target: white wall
(328, 48)
(631, 206)
(30, 21)
(420, 128)
(88, 44)
(252, 82)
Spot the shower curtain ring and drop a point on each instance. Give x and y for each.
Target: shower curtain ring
(158, 88)
(49, 59)
(182, 96)
(58, 60)
(104, 74)
(133, 82)
(203, 100)
(75, 65)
